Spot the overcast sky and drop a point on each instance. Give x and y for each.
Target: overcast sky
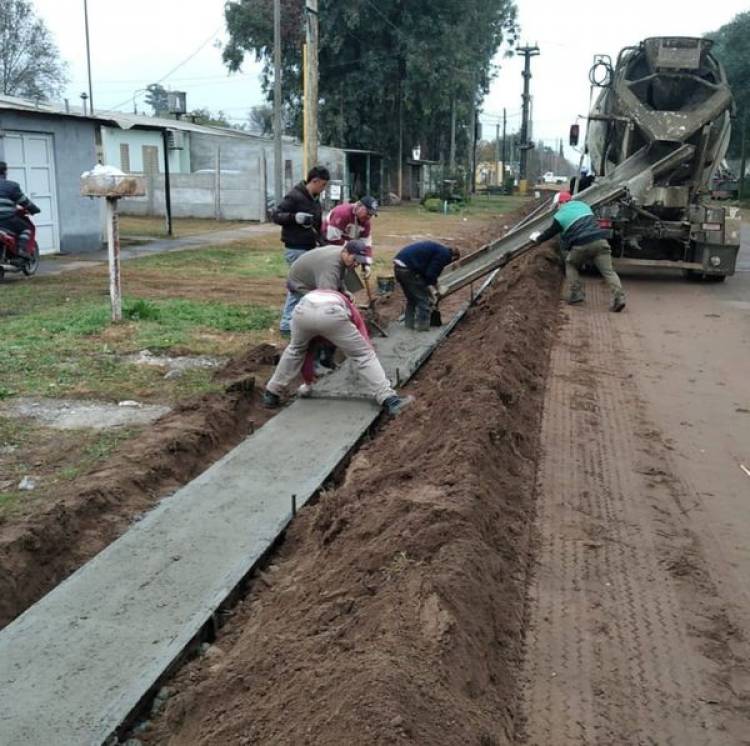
(137, 42)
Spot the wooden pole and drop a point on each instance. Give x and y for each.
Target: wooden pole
(310, 60)
(113, 251)
(277, 133)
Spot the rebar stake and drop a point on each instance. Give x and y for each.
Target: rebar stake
(294, 504)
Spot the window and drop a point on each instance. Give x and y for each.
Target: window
(125, 157)
(150, 159)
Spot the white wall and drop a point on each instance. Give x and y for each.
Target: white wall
(112, 138)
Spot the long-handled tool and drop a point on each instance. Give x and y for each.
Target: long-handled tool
(370, 317)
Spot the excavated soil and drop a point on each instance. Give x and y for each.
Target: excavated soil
(393, 611)
(38, 551)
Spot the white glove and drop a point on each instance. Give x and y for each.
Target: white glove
(432, 290)
(535, 236)
(303, 218)
(366, 271)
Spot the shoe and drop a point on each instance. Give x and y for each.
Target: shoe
(304, 390)
(617, 305)
(394, 405)
(271, 400)
(285, 333)
(573, 299)
(321, 370)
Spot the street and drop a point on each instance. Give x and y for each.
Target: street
(641, 591)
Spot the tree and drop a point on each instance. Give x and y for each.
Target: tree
(157, 99)
(732, 49)
(261, 120)
(206, 117)
(30, 64)
(383, 65)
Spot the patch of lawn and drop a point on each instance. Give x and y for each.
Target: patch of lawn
(61, 351)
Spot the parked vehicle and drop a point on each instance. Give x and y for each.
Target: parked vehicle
(10, 258)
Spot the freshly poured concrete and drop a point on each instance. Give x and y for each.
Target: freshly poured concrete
(75, 665)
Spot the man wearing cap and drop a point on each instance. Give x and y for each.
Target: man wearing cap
(350, 221)
(417, 268)
(582, 241)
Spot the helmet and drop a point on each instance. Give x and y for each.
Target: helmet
(561, 198)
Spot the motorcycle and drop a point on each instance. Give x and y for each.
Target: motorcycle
(10, 258)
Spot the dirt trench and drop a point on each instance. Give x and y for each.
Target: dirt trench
(40, 550)
(393, 611)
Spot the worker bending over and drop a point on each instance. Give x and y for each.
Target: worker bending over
(582, 240)
(331, 315)
(417, 268)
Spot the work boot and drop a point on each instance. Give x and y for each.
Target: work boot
(286, 333)
(271, 400)
(576, 294)
(618, 303)
(394, 405)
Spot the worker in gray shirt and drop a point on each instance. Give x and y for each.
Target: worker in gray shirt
(325, 268)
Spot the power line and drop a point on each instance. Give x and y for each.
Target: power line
(177, 67)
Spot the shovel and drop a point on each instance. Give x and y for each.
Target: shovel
(370, 315)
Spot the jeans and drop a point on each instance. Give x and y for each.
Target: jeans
(418, 300)
(292, 299)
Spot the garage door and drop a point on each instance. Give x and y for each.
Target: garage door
(31, 163)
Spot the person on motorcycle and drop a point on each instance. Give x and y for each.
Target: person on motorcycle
(11, 199)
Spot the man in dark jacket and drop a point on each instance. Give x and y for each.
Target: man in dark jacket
(11, 198)
(300, 216)
(582, 241)
(417, 268)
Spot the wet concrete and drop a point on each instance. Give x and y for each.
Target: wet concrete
(75, 665)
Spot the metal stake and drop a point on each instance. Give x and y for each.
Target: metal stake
(294, 504)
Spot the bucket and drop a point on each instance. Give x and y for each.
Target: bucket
(386, 285)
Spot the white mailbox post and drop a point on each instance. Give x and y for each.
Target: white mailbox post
(110, 183)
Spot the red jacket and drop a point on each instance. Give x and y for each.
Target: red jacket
(341, 225)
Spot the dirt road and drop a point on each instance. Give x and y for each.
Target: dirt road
(640, 597)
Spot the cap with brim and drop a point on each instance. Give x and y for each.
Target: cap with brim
(371, 204)
(361, 251)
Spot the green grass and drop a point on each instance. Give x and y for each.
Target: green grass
(233, 260)
(56, 351)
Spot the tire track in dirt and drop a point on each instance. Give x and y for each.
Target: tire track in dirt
(618, 647)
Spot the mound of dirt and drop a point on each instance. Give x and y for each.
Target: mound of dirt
(39, 551)
(393, 611)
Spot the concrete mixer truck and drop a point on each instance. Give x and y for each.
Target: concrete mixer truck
(660, 125)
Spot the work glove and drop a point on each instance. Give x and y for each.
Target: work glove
(366, 271)
(304, 218)
(349, 295)
(534, 237)
(432, 290)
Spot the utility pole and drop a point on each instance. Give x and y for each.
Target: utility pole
(277, 150)
(88, 54)
(498, 180)
(310, 60)
(452, 159)
(742, 155)
(505, 151)
(527, 52)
